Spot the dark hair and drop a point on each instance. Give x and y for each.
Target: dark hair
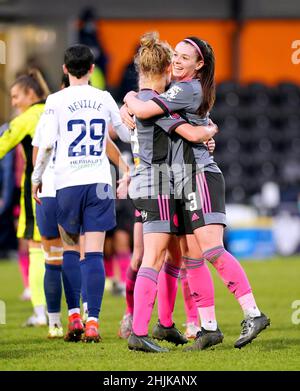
(206, 74)
(65, 82)
(33, 80)
(78, 60)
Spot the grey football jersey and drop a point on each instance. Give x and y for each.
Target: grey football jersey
(185, 99)
(151, 148)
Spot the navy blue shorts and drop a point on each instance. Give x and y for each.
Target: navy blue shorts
(46, 218)
(86, 208)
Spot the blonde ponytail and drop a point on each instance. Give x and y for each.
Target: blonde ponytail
(33, 80)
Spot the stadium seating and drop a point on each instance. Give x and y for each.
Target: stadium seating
(259, 136)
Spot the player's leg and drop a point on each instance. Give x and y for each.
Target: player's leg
(135, 262)
(145, 291)
(83, 285)
(98, 216)
(27, 228)
(53, 255)
(156, 230)
(210, 240)
(69, 222)
(122, 255)
(23, 258)
(167, 290)
(191, 311)
(23, 253)
(94, 279)
(198, 274)
(200, 282)
(71, 276)
(53, 252)
(234, 277)
(36, 278)
(108, 253)
(202, 290)
(122, 239)
(168, 283)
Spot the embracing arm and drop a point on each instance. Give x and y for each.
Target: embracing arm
(123, 133)
(45, 145)
(42, 160)
(211, 145)
(115, 156)
(140, 108)
(197, 134)
(34, 154)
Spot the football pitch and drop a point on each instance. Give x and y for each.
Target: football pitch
(276, 286)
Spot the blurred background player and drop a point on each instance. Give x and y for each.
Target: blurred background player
(7, 188)
(28, 94)
(88, 34)
(23, 253)
(11, 170)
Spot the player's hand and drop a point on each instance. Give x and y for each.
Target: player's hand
(214, 127)
(129, 94)
(211, 145)
(35, 189)
(127, 117)
(122, 189)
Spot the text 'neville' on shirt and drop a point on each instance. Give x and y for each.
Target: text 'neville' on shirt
(85, 104)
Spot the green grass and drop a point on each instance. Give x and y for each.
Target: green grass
(276, 286)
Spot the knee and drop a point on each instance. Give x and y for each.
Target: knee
(212, 255)
(136, 261)
(122, 241)
(52, 254)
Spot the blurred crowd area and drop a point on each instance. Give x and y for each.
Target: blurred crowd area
(258, 144)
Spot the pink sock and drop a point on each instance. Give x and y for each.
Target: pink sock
(202, 290)
(208, 317)
(24, 266)
(189, 304)
(123, 259)
(230, 270)
(166, 293)
(248, 304)
(144, 298)
(109, 267)
(130, 283)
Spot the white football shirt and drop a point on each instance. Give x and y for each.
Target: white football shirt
(48, 188)
(77, 118)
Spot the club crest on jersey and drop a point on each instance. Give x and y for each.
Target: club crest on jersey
(144, 215)
(171, 93)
